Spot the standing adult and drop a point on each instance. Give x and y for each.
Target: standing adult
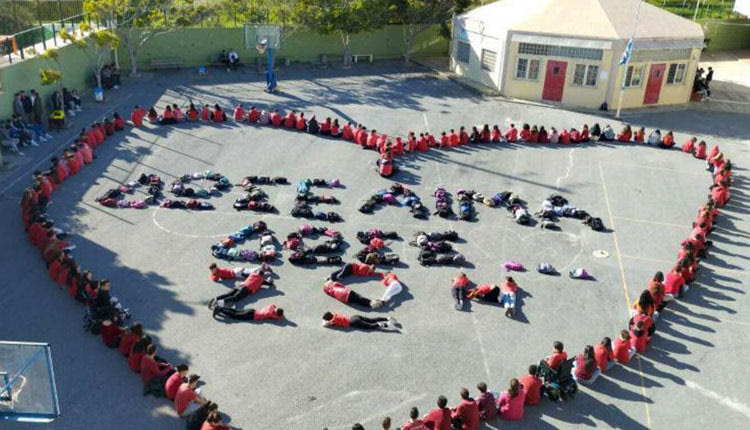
(38, 107)
(28, 107)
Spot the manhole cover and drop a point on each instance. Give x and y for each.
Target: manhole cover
(599, 253)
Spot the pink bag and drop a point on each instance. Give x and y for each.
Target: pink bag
(511, 265)
(305, 229)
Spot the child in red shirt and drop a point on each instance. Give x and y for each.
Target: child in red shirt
(668, 141)
(565, 137)
(512, 134)
(463, 136)
(270, 312)
(525, 133)
(700, 150)
(621, 348)
(496, 134)
(689, 145)
(331, 319)
(206, 113)
(276, 118)
(346, 131)
(175, 380)
(118, 122)
(585, 133)
(444, 140)
(556, 359)
(253, 115)
(290, 121)
(136, 117)
(639, 338)
(192, 113)
(455, 140)
(239, 113)
(458, 290)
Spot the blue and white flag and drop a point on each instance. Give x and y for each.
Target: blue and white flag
(628, 50)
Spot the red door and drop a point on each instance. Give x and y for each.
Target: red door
(653, 87)
(554, 82)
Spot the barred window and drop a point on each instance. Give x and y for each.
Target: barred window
(560, 51)
(585, 75)
(463, 51)
(522, 68)
(633, 76)
(488, 59)
(527, 69)
(676, 73)
(649, 55)
(592, 74)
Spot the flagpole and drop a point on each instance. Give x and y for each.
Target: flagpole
(627, 58)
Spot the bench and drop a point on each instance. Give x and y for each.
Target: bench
(356, 57)
(165, 63)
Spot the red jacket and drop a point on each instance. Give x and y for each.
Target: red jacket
(239, 113)
(338, 291)
(511, 135)
(150, 369)
(469, 413)
(439, 418)
(266, 313)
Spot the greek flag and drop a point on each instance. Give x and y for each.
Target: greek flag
(628, 51)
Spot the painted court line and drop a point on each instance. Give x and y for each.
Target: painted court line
(568, 170)
(624, 284)
(729, 402)
(426, 124)
(481, 346)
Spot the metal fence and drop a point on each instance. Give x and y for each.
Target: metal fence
(35, 40)
(718, 9)
(20, 15)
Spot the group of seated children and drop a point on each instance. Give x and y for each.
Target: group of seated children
(158, 376)
(162, 379)
(19, 132)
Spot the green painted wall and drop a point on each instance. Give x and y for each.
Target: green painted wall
(196, 45)
(24, 75)
(725, 36)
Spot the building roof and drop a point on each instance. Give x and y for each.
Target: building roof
(600, 19)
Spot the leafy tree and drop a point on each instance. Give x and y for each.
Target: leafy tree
(138, 21)
(416, 16)
(97, 46)
(49, 75)
(342, 17)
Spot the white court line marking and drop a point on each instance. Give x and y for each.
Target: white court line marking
(643, 166)
(426, 124)
(569, 169)
(481, 346)
(624, 285)
(53, 153)
(645, 221)
(729, 402)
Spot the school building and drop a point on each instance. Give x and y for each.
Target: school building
(569, 51)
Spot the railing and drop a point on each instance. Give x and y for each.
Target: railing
(34, 41)
(718, 9)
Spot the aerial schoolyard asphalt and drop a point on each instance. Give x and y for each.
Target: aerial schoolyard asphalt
(299, 375)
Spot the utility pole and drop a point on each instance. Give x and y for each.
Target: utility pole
(626, 55)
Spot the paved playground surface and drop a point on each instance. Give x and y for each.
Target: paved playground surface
(298, 375)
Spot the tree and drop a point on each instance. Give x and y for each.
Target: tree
(138, 21)
(97, 46)
(342, 17)
(416, 16)
(51, 76)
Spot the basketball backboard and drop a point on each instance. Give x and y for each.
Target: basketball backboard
(255, 34)
(27, 383)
